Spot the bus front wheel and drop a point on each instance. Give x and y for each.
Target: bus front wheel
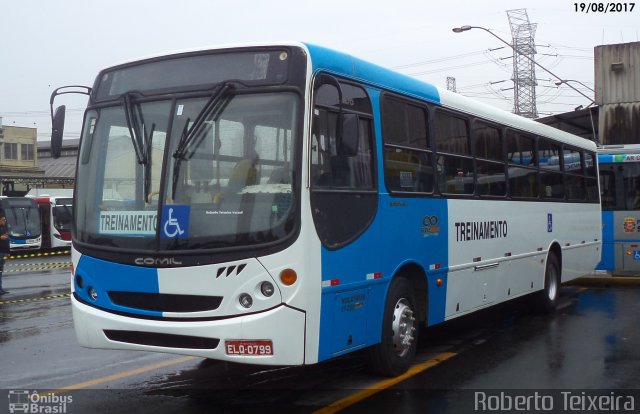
(393, 355)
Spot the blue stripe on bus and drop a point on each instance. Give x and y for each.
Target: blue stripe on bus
(607, 261)
(106, 276)
(349, 318)
(605, 159)
(374, 75)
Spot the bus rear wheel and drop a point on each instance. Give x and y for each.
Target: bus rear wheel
(393, 355)
(547, 299)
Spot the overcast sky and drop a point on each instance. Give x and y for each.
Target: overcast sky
(47, 44)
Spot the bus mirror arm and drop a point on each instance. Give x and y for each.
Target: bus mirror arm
(57, 118)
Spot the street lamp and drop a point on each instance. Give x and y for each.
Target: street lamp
(467, 28)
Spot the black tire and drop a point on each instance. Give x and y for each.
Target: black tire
(547, 299)
(394, 354)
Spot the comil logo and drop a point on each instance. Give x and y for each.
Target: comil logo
(161, 261)
(34, 402)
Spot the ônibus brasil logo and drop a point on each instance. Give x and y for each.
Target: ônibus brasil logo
(24, 401)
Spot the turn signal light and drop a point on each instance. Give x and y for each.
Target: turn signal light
(288, 277)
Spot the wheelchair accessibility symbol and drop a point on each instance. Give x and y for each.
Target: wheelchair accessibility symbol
(175, 222)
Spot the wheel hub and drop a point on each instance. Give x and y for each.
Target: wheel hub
(403, 327)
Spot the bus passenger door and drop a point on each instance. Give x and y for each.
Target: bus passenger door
(344, 203)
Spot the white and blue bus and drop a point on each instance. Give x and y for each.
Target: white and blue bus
(620, 187)
(23, 220)
(285, 204)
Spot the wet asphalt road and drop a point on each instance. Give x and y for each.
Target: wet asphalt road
(591, 342)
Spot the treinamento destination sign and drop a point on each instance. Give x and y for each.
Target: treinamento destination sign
(481, 230)
(141, 223)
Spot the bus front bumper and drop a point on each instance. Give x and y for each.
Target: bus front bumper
(283, 326)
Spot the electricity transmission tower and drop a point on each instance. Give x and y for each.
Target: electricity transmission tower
(524, 75)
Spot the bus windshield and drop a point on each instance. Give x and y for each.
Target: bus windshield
(620, 186)
(190, 172)
(63, 214)
(23, 218)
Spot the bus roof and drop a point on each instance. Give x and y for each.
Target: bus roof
(619, 149)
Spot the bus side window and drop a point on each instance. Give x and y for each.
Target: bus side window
(522, 171)
(455, 164)
(333, 169)
(407, 154)
(631, 180)
(490, 167)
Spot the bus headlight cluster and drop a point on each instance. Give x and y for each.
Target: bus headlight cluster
(262, 290)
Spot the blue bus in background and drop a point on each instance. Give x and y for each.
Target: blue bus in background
(23, 219)
(620, 193)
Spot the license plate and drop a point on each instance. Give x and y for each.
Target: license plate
(243, 347)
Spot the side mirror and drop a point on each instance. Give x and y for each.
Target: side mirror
(350, 135)
(57, 129)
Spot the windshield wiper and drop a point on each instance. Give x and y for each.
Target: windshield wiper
(142, 146)
(212, 108)
(147, 156)
(134, 127)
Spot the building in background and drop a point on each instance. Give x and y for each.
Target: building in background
(18, 160)
(617, 76)
(614, 116)
(60, 172)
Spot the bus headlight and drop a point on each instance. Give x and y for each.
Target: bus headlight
(246, 301)
(267, 289)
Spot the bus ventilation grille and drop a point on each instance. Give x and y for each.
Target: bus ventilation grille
(163, 340)
(165, 302)
(228, 271)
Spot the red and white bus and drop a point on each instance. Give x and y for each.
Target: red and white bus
(56, 214)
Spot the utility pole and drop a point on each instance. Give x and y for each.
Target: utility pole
(524, 74)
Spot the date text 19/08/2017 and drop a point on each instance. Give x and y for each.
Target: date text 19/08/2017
(604, 7)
